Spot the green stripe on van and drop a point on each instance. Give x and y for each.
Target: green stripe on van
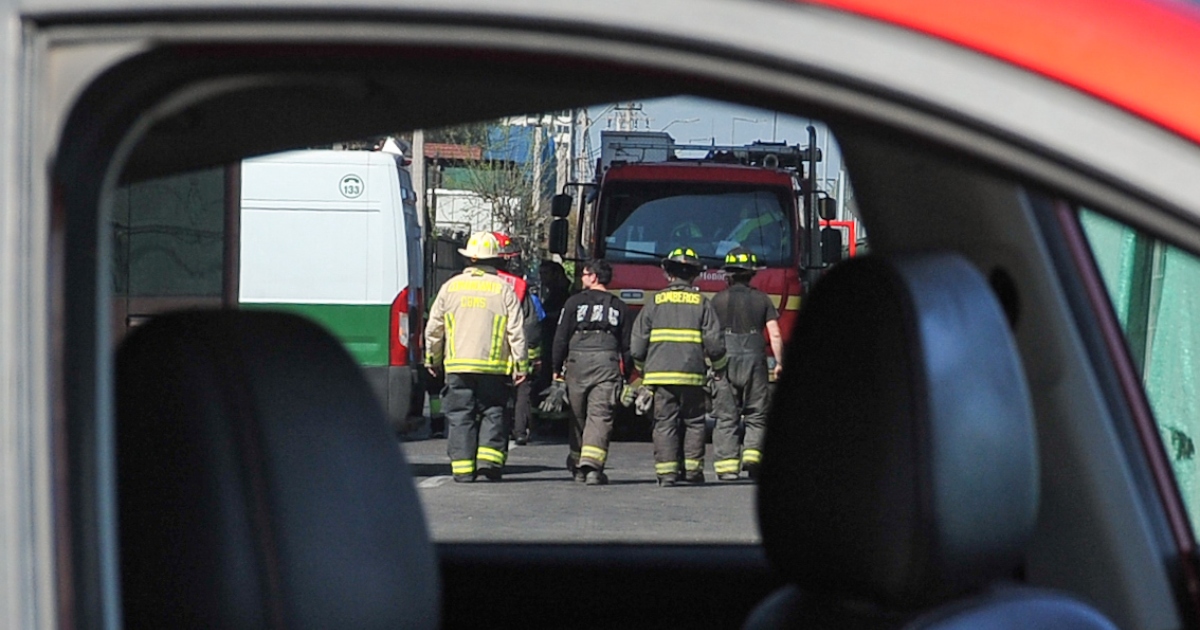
(362, 328)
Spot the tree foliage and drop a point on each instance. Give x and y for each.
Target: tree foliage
(499, 163)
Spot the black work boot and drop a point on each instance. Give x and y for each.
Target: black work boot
(464, 478)
(491, 474)
(752, 470)
(666, 481)
(596, 478)
(694, 476)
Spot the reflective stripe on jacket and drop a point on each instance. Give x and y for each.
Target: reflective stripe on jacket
(475, 325)
(674, 335)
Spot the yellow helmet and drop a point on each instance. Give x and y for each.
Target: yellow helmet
(741, 259)
(482, 245)
(685, 256)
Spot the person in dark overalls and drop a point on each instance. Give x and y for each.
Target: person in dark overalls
(591, 357)
(743, 396)
(676, 341)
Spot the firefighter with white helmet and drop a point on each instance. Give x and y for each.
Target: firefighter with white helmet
(743, 395)
(676, 338)
(475, 335)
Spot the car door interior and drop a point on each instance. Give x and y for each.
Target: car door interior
(1091, 535)
(913, 506)
(260, 486)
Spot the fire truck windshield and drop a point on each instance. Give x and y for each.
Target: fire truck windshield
(643, 221)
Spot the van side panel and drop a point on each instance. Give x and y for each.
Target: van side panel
(356, 325)
(324, 234)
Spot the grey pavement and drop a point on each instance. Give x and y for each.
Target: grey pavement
(538, 501)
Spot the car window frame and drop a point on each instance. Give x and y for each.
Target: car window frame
(87, 389)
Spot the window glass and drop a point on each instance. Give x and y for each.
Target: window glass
(645, 220)
(340, 234)
(169, 236)
(1155, 291)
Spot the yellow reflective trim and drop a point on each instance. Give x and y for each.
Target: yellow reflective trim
(449, 335)
(595, 453)
(681, 335)
(693, 464)
(467, 285)
(726, 465)
(677, 296)
(476, 366)
(672, 378)
(793, 303)
(666, 468)
(462, 466)
(489, 454)
(498, 326)
(535, 352)
(720, 364)
(639, 364)
(752, 456)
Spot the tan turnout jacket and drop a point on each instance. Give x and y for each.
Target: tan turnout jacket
(475, 326)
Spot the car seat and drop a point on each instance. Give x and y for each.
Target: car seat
(259, 485)
(899, 485)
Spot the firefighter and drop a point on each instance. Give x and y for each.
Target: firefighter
(521, 411)
(475, 336)
(592, 342)
(672, 338)
(743, 395)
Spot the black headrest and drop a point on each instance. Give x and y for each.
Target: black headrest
(899, 463)
(259, 484)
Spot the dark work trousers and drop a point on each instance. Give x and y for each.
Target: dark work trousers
(522, 411)
(678, 429)
(474, 408)
(593, 386)
(742, 396)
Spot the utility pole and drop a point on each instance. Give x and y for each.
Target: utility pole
(628, 117)
(537, 170)
(572, 147)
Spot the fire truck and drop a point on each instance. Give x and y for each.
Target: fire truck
(651, 195)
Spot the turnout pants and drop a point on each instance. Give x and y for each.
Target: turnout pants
(477, 433)
(743, 395)
(522, 411)
(593, 387)
(678, 429)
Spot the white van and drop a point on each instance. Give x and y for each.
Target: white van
(334, 235)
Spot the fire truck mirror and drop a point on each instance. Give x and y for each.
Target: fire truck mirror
(560, 205)
(831, 245)
(558, 234)
(827, 207)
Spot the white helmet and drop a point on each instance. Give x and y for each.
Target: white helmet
(481, 246)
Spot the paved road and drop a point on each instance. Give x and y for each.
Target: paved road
(539, 502)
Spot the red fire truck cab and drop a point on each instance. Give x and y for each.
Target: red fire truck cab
(649, 198)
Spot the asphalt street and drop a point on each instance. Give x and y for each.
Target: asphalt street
(538, 501)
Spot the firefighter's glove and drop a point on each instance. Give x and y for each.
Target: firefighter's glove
(710, 382)
(644, 400)
(628, 394)
(556, 398)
